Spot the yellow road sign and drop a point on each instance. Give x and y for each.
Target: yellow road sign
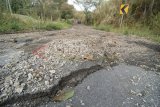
(124, 8)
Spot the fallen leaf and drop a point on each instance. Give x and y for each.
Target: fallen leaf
(64, 95)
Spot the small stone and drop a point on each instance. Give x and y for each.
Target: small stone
(16, 83)
(87, 57)
(40, 79)
(8, 78)
(139, 94)
(31, 70)
(70, 100)
(56, 77)
(51, 80)
(19, 88)
(11, 82)
(134, 77)
(46, 77)
(37, 75)
(152, 100)
(52, 71)
(148, 86)
(111, 43)
(158, 66)
(142, 93)
(30, 76)
(82, 103)
(68, 106)
(41, 73)
(88, 87)
(47, 83)
(13, 69)
(144, 101)
(34, 75)
(35, 89)
(24, 73)
(132, 92)
(64, 55)
(131, 98)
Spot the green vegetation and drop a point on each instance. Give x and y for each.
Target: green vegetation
(88, 5)
(28, 15)
(139, 30)
(9, 24)
(15, 22)
(55, 25)
(143, 18)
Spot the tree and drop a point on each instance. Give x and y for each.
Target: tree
(3, 5)
(141, 12)
(48, 9)
(16, 5)
(66, 11)
(88, 5)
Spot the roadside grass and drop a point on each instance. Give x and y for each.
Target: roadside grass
(22, 23)
(138, 30)
(54, 25)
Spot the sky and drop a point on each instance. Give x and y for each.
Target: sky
(77, 7)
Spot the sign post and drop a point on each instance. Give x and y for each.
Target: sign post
(121, 21)
(123, 10)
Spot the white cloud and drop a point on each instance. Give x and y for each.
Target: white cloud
(77, 7)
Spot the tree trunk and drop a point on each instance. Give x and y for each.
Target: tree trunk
(145, 10)
(9, 6)
(151, 7)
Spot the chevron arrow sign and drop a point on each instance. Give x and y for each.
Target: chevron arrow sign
(124, 8)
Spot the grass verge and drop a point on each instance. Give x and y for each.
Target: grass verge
(22, 23)
(138, 30)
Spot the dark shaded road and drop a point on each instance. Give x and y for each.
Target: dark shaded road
(122, 86)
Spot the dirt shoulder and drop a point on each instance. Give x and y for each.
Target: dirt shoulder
(35, 63)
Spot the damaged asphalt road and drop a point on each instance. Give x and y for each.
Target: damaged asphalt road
(121, 86)
(34, 67)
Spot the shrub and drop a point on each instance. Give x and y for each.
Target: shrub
(16, 25)
(52, 26)
(104, 27)
(126, 32)
(156, 24)
(10, 24)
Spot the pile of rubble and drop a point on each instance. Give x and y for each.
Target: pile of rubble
(47, 64)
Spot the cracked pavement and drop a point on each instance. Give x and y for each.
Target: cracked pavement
(60, 53)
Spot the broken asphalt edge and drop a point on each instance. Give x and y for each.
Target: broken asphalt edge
(63, 82)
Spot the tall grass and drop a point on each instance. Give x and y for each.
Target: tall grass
(138, 30)
(16, 23)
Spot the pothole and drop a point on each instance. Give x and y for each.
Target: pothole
(71, 80)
